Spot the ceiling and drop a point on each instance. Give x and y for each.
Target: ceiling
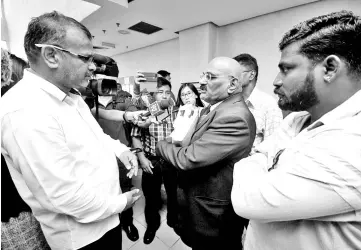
(170, 15)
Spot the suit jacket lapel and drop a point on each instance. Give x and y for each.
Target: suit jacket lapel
(202, 121)
(229, 101)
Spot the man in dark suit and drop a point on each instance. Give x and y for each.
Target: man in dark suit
(221, 138)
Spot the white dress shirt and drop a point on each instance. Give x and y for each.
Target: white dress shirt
(303, 189)
(267, 114)
(62, 163)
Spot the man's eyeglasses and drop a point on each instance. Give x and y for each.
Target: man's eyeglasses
(209, 76)
(87, 59)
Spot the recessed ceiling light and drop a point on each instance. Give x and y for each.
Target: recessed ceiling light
(123, 32)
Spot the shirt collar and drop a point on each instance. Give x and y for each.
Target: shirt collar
(252, 99)
(45, 85)
(350, 107)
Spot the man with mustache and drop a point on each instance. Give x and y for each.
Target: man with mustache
(224, 135)
(302, 189)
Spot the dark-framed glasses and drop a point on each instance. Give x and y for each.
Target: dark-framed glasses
(209, 76)
(84, 58)
(188, 94)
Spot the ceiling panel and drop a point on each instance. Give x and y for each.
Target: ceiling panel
(171, 16)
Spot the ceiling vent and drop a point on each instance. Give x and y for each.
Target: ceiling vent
(110, 45)
(145, 28)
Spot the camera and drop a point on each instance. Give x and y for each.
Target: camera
(103, 86)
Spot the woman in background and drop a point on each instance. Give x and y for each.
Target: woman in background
(17, 71)
(189, 106)
(188, 94)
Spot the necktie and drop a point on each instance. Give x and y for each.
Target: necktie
(204, 113)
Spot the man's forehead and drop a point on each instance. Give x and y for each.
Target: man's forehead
(290, 51)
(213, 70)
(222, 65)
(291, 55)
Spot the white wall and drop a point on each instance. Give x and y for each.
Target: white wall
(257, 36)
(197, 48)
(260, 36)
(151, 59)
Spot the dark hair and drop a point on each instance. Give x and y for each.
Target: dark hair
(49, 28)
(248, 61)
(18, 66)
(163, 82)
(337, 33)
(5, 68)
(17, 71)
(163, 73)
(179, 102)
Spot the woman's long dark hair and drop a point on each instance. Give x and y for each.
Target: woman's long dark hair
(179, 102)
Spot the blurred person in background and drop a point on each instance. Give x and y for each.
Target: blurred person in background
(120, 130)
(18, 66)
(19, 227)
(165, 74)
(189, 107)
(264, 108)
(188, 94)
(155, 169)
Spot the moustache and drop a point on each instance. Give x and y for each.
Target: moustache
(203, 87)
(277, 92)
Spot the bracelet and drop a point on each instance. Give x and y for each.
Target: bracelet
(124, 117)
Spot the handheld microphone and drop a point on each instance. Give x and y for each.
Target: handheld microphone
(157, 108)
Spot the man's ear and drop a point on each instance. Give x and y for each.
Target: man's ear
(331, 66)
(233, 85)
(51, 57)
(252, 75)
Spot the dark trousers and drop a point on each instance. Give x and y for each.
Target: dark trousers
(112, 238)
(126, 217)
(211, 243)
(151, 185)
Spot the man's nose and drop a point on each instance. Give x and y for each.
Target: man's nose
(278, 81)
(203, 80)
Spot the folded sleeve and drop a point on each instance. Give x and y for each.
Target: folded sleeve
(313, 179)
